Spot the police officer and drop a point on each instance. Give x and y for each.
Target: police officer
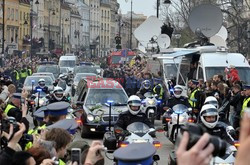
(57, 111)
(42, 86)
(133, 114)
(146, 87)
(158, 89)
(246, 101)
(13, 107)
(29, 71)
(58, 95)
(195, 98)
(131, 84)
(15, 76)
(209, 120)
(178, 98)
(23, 74)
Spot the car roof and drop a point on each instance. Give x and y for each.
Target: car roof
(103, 84)
(47, 63)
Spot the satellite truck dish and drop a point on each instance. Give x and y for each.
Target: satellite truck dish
(163, 41)
(223, 33)
(218, 41)
(205, 19)
(149, 28)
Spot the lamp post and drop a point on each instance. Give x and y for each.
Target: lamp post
(49, 27)
(65, 20)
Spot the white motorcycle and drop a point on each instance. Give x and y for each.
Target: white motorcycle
(150, 106)
(175, 118)
(138, 132)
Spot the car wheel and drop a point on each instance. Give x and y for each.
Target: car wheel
(84, 132)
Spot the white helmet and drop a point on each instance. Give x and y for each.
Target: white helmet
(178, 91)
(62, 76)
(58, 93)
(209, 110)
(41, 82)
(212, 100)
(134, 101)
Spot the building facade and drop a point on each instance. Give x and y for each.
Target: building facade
(65, 27)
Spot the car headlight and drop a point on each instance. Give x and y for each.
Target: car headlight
(151, 102)
(90, 117)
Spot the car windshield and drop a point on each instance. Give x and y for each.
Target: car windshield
(180, 109)
(170, 71)
(68, 63)
(138, 127)
(78, 77)
(28, 81)
(116, 59)
(101, 96)
(244, 73)
(63, 70)
(85, 69)
(50, 69)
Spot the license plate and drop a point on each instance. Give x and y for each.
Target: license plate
(140, 141)
(111, 129)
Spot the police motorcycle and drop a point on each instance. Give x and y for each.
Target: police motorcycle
(136, 133)
(150, 106)
(65, 82)
(174, 119)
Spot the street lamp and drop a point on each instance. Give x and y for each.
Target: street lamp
(53, 13)
(66, 20)
(158, 5)
(177, 37)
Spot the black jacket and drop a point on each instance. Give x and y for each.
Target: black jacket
(174, 101)
(15, 112)
(126, 118)
(219, 131)
(6, 155)
(53, 99)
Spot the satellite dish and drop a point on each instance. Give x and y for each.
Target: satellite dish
(149, 28)
(163, 41)
(218, 41)
(206, 19)
(223, 33)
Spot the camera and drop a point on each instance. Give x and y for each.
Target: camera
(5, 126)
(196, 131)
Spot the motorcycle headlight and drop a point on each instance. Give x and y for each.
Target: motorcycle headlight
(151, 102)
(41, 102)
(224, 163)
(182, 119)
(90, 117)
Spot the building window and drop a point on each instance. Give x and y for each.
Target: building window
(16, 14)
(21, 16)
(8, 13)
(12, 14)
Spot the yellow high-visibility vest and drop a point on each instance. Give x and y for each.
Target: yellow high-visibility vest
(244, 106)
(7, 109)
(192, 96)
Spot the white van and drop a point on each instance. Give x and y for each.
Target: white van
(68, 61)
(207, 61)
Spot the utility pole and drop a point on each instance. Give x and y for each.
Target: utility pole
(131, 22)
(3, 26)
(157, 8)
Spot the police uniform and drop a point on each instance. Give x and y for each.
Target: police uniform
(12, 110)
(54, 100)
(136, 153)
(126, 118)
(58, 108)
(246, 101)
(195, 97)
(69, 125)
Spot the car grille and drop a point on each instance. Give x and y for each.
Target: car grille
(106, 118)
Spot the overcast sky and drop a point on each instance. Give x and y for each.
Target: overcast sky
(146, 7)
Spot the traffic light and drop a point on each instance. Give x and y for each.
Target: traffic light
(118, 42)
(167, 29)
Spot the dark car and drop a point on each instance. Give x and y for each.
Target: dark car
(85, 69)
(51, 68)
(96, 97)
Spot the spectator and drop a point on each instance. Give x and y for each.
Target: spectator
(23, 158)
(39, 154)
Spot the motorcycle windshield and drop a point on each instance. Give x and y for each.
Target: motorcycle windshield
(180, 109)
(42, 94)
(138, 128)
(148, 94)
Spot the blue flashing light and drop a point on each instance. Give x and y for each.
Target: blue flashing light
(32, 81)
(39, 90)
(171, 90)
(110, 101)
(158, 101)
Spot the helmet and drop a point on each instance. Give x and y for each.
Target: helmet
(177, 91)
(134, 101)
(62, 76)
(41, 82)
(146, 84)
(58, 93)
(212, 100)
(209, 110)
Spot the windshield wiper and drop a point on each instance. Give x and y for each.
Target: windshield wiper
(119, 104)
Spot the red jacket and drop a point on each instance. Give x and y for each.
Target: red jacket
(233, 75)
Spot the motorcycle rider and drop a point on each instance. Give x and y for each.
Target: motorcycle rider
(133, 114)
(178, 98)
(210, 121)
(57, 95)
(42, 86)
(146, 87)
(212, 100)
